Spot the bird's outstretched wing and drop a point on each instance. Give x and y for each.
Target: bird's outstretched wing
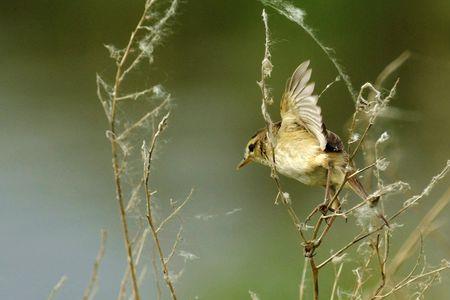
(299, 105)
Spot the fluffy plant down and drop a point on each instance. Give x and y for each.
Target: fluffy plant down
(374, 264)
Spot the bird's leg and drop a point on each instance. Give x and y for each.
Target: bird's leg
(327, 185)
(324, 207)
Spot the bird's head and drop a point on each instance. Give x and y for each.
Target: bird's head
(254, 150)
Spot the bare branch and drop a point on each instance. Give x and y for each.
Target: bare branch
(408, 203)
(115, 158)
(150, 41)
(174, 246)
(337, 275)
(423, 227)
(136, 95)
(315, 275)
(433, 273)
(89, 292)
(296, 15)
(57, 287)
(266, 70)
(143, 119)
(391, 68)
(174, 212)
(147, 156)
(302, 287)
(139, 241)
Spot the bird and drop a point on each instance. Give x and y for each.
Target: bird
(303, 148)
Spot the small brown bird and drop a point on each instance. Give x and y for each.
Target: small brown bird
(304, 149)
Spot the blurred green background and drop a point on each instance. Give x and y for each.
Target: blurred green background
(56, 180)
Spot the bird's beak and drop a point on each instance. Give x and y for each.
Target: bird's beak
(244, 162)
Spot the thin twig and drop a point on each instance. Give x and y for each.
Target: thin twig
(381, 261)
(57, 287)
(296, 15)
(148, 153)
(139, 241)
(90, 289)
(360, 276)
(302, 281)
(421, 293)
(157, 279)
(315, 275)
(391, 68)
(115, 158)
(266, 69)
(413, 279)
(143, 119)
(175, 245)
(337, 275)
(407, 204)
(423, 227)
(174, 212)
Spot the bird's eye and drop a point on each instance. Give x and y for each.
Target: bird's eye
(251, 147)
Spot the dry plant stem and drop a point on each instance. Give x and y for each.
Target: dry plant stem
(371, 107)
(336, 280)
(88, 292)
(161, 256)
(382, 261)
(126, 234)
(153, 228)
(174, 212)
(175, 245)
(156, 271)
(144, 118)
(296, 15)
(315, 275)
(331, 199)
(391, 68)
(266, 68)
(57, 287)
(115, 157)
(301, 291)
(421, 294)
(360, 282)
(361, 140)
(348, 211)
(411, 280)
(356, 173)
(423, 227)
(131, 203)
(139, 241)
(381, 78)
(407, 204)
(355, 240)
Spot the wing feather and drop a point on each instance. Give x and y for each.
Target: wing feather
(299, 105)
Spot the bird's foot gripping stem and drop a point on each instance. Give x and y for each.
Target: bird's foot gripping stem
(323, 208)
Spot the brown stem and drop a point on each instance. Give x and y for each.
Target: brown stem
(161, 255)
(153, 228)
(115, 156)
(315, 275)
(123, 218)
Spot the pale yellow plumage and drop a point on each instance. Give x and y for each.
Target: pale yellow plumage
(304, 149)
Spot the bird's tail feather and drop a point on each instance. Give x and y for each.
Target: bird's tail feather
(358, 188)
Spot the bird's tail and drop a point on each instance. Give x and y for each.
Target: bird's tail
(358, 188)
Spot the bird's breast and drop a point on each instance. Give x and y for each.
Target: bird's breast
(299, 156)
(299, 165)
